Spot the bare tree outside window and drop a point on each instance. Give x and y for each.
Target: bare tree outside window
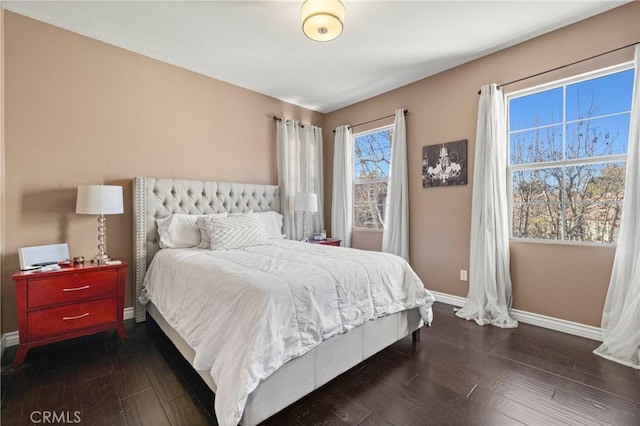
(567, 160)
(372, 156)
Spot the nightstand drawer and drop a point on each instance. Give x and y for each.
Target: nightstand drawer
(70, 288)
(72, 317)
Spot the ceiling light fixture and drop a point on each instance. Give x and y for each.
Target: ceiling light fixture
(322, 20)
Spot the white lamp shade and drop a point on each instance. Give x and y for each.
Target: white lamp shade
(99, 199)
(306, 202)
(322, 20)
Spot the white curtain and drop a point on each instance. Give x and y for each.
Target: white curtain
(342, 196)
(299, 170)
(395, 237)
(489, 280)
(621, 315)
(312, 175)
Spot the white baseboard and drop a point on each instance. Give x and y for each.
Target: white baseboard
(12, 338)
(128, 313)
(8, 340)
(557, 324)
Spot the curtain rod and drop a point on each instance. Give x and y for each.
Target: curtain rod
(280, 119)
(376, 119)
(566, 65)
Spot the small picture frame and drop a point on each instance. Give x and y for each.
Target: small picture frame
(444, 164)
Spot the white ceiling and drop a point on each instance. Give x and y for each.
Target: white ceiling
(259, 45)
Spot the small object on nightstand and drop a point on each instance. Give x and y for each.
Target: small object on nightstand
(49, 268)
(65, 263)
(327, 242)
(78, 260)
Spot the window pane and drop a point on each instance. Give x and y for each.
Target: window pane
(537, 221)
(372, 155)
(593, 196)
(591, 183)
(599, 96)
(537, 211)
(593, 222)
(539, 186)
(538, 145)
(369, 202)
(599, 136)
(536, 110)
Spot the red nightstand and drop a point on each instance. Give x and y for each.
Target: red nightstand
(68, 303)
(327, 242)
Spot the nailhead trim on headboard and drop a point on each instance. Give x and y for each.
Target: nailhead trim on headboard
(155, 198)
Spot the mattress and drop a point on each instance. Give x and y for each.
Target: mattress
(247, 312)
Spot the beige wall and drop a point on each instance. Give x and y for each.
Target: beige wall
(561, 281)
(79, 111)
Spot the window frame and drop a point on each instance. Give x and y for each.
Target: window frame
(355, 181)
(564, 82)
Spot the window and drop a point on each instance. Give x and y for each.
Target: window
(567, 157)
(372, 154)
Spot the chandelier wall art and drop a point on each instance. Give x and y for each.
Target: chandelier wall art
(444, 164)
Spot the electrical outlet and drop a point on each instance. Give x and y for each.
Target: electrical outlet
(463, 275)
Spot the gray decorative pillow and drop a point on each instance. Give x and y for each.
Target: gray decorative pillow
(201, 222)
(233, 232)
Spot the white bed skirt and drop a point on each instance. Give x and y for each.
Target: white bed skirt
(308, 372)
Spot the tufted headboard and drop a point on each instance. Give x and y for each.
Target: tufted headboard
(154, 198)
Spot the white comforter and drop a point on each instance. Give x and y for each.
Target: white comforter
(247, 312)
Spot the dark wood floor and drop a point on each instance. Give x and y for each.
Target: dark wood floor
(458, 374)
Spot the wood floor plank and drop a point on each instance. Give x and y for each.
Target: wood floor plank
(348, 410)
(385, 406)
(183, 411)
(100, 402)
(374, 420)
(144, 409)
(604, 410)
(166, 386)
(469, 412)
(441, 374)
(130, 376)
(513, 409)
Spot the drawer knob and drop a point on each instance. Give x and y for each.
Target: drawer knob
(86, 314)
(77, 288)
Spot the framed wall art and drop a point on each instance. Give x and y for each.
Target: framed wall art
(444, 164)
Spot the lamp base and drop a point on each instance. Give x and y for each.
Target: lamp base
(100, 259)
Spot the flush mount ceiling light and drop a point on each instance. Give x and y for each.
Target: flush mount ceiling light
(322, 20)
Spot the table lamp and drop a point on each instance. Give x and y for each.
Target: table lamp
(305, 202)
(100, 200)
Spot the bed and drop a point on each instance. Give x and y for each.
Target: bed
(277, 374)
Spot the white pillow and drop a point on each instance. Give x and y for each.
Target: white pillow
(205, 241)
(179, 230)
(272, 222)
(234, 232)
